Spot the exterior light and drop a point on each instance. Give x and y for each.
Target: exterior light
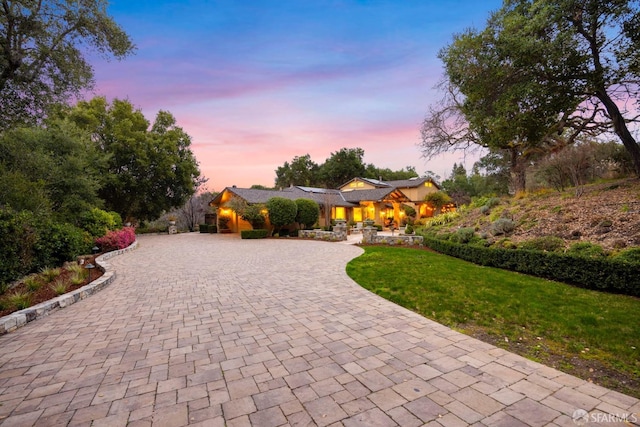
(95, 250)
(89, 267)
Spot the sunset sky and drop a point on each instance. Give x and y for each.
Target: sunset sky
(257, 82)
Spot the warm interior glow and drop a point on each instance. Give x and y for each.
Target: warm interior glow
(340, 213)
(357, 214)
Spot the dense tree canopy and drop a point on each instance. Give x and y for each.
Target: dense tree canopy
(301, 171)
(42, 53)
(150, 169)
(340, 167)
(50, 170)
(541, 73)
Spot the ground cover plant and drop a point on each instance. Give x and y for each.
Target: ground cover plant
(45, 285)
(590, 334)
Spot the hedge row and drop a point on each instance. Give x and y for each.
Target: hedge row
(254, 234)
(208, 228)
(608, 275)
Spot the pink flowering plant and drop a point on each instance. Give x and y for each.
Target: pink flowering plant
(117, 239)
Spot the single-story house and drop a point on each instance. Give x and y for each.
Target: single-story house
(355, 201)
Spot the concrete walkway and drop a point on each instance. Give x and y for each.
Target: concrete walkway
(211, 330)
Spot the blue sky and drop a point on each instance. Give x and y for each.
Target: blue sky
(256, 83)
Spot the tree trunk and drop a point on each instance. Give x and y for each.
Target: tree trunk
(517, 171)
(621, 129)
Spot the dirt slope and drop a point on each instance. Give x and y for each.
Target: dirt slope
(607, 214)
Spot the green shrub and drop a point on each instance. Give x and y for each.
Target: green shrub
(281, 211)
(631, 255)
(505, 244)
(20, 232)
(438, 200)
(544, 243)
(441, 219)
(463, 235)
(409, 229)
(502, 226)
(254, 234)
(152, 229)
(212, 229)
(61, 242)
(611, 275)
(98, 222)
(308, 212)
(587, 249)
(254, 215)
(204, 228)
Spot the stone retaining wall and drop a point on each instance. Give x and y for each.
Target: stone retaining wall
(338, 234)
(20, 318)
(370, 236)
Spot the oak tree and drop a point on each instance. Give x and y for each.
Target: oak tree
(43, 53)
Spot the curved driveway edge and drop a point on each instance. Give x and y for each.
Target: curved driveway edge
(13, 321)
(212, 330)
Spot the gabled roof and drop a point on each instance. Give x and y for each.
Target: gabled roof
(400, 183)
(376, 195)
(411, 182)
(376, 183)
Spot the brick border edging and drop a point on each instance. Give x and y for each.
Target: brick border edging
(13, 321)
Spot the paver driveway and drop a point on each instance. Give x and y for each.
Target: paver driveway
(211, 330)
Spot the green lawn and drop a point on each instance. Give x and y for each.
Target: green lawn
(590, 334)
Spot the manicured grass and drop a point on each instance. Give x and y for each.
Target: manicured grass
(590, 334)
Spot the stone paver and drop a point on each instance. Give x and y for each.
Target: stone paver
(211, 330)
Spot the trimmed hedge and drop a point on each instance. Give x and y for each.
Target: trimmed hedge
(606, 274)
(204, 228)
(254, 234)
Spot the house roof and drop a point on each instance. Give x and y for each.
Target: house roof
(383, 191)
(376, 194)
(319, 195)
(400, 183)
(411, 182)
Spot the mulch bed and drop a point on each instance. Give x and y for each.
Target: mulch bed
(45, 293)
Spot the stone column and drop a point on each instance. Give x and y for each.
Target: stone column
(340, 229)
(368, 234)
